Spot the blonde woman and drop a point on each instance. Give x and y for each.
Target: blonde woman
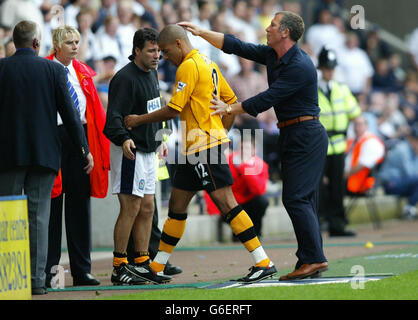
(76, 185)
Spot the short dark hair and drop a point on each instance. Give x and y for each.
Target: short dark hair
(140, 37)
(293, 22)
(24, 33)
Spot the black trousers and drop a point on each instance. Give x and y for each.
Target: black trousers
(332, 192)
(303, 149)
(76, 190)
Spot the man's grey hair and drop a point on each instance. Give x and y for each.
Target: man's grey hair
(293, 22)
(24, 33)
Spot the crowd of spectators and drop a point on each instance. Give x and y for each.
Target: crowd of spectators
(375, 72)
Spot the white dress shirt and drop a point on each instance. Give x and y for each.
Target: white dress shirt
(72, 76)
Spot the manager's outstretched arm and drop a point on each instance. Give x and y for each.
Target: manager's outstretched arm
(214, 38)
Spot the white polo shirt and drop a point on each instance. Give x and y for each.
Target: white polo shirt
(72, 76)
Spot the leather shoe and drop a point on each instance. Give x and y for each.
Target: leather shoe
(171, 270)
(85, 280)
(48, 279)
(342, 233)
(39, 291)
(305, 271)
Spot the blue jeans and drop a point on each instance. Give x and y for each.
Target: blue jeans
(404, 187)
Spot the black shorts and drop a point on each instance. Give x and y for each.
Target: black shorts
(206, 170)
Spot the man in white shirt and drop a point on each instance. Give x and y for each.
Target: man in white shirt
(108, 43)
(355, 68)
(323, 34)
(126, 29)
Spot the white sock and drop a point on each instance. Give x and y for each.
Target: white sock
(259, 254)
(162, 257)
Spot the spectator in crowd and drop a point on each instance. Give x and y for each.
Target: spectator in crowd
(409, 107)
(250, 174)
(375, 47)
(392, 123)
(105, 72)
(395, 64)
(356, 69)
(29, 136)
(87, 47)
(150, 17)
(338, 108)
(72, 10)
(168, 13)
(413, 48)
(248, 74)
(239, 83)
(107, 8)
(2, 51)
(14, 11)
(399, 173)
(369, 111)
(9, 47)
(384, 78)
(205, 12)
(236, 21)
(126, 29)
(268, 7)
(228, 63)
(324, 33)
(108, 43)
(335, 7)
(75, 184)
(363, 153)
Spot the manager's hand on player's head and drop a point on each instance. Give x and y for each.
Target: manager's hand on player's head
(192, 28)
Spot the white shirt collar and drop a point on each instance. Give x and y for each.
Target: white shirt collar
(70, 67)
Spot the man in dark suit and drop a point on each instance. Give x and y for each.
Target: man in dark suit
(33, 89)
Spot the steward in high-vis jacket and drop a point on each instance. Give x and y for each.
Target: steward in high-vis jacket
(338, 107)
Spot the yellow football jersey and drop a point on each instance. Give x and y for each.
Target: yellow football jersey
(197, 78)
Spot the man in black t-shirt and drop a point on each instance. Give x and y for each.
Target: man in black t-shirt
(134, 90)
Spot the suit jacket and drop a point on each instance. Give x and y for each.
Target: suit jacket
(32, 90)
(98, 143)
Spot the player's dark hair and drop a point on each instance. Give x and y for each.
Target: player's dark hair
(141, 37)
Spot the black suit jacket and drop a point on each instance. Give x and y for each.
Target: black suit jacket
(32, 90)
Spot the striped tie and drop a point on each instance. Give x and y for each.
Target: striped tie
(73, 94)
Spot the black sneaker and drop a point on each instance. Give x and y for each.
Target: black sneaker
(144, 271)
(259, 273)
(171, 270)
(125, 275)
(39, 291)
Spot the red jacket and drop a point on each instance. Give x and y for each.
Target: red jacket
(250, 181)
(98, 144)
